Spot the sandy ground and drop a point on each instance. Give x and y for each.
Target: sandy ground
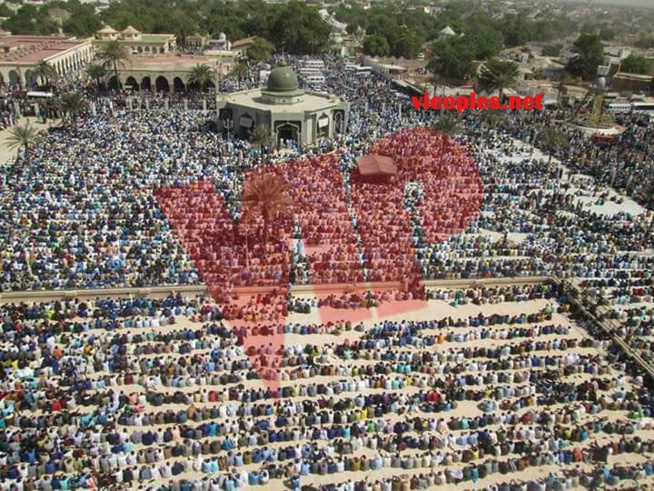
(7, 153)
(436, 309)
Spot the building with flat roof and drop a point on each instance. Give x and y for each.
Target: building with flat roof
(240, 46)
(164, 73)
(138, 43)
(290, 113)
(631, 82)
(20, 55)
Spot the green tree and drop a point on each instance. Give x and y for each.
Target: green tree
(447, 123)
(376, 45)
(261, 136)
(261, 50)
(407, 44)
(31, 20)
(552, 49)
(486, 40)
(72, 105)
(46, 72)
(635, 64)
(299, 29)
(517, 29)
(97, 73)
(491, 119)
(268, 195)
(606, 33)
(83, 20)
(452, 60)
(240, 71)
(112, 54)
(201, 75)
(590, 54)
(498, 74)
(23, 137)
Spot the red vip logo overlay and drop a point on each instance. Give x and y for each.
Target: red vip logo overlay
(248, 264)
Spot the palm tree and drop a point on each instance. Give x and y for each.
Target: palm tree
(201, 75)
(550, 139)
(498, 74)
(23, 136)
(447, 123)
(261, 136)
(267, 194)
(97, 73)
(46, 72)
(491, 118)
(72, 104)
(111, 54)
(240, 71)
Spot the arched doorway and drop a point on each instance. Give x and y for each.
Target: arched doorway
(178, 85)
(14, 78)
(339, 119)
(30, 79)
(162, 85)
(132, 84)
(226, 118)
(113, 83)
(287, 132)
(146, 83)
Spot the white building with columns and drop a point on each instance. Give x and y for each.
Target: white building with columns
(20, 55)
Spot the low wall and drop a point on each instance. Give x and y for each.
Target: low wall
(163, 291)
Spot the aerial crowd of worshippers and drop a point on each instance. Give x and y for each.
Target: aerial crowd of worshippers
(492, 386)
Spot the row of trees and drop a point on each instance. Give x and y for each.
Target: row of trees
(589, 51)
(394, 29)
(455, 60)
(294, 27)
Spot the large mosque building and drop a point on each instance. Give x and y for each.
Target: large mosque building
(290, 113)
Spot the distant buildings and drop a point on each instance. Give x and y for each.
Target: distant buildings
(20, 55)
(164, 73)
(240, 47)
(137, 42)
(631, 82)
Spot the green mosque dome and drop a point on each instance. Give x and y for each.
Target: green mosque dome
(282, 79)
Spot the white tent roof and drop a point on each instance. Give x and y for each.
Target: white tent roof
(448, 31)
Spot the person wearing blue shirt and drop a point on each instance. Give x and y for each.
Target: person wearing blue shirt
(253, 478)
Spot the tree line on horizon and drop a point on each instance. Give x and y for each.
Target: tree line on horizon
(389, 28)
